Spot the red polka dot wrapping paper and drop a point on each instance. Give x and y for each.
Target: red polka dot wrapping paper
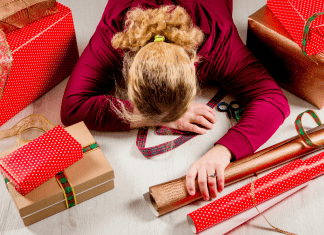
(44, 53)
(267, 187)
(38, 161)
(293, 14)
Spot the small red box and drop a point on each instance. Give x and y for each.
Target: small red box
(36, 162)
(293, 15)
(44, 53)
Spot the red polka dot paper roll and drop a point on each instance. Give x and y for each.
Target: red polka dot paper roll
(315, 165)
(293, 14)
(36, 162)
(267, 187)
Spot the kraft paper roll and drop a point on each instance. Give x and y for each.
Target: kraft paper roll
(172, 195)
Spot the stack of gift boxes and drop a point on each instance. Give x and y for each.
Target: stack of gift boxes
(62, 167)
(287, 36)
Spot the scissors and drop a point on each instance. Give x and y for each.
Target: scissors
(234, 109)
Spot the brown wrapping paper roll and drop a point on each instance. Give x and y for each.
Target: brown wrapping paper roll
(172, 195)
(15, 14)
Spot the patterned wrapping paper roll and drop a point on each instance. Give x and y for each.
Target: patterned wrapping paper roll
(16, 14)
(271, 185)
(5, 61)
(172, 195)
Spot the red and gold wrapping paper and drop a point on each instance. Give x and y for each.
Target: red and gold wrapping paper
(36, 162)
(293, 15)
(44, 53)
(172, 195)
(269, 186)
(15, 14)
(5, 61)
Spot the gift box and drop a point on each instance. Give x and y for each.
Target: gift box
(41, 159)
(90, 176)
(44, 53)
(283, 58)
(279, 183)
(16, 14)
(294, 15)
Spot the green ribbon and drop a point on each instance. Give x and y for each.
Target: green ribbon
(307, 28)
(300, 129)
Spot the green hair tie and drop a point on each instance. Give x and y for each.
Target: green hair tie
(159, 38)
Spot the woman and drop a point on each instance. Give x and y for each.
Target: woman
(161, 79)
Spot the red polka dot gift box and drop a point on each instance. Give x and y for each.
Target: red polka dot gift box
(303, 20)
(39, 160)
(86, 178)
(44, 53)
(233, 209)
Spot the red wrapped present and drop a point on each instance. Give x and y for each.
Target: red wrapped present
(294, 15)
(44, 53)
(38, 161)
(290, 177)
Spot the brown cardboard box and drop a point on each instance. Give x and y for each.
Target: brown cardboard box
(284, 59)
(90, 176)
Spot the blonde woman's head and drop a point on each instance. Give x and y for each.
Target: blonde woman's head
(160, 76)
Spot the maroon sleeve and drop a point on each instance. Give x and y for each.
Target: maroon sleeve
(94, 75)
(266, 107)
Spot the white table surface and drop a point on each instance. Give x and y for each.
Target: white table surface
(123, 210)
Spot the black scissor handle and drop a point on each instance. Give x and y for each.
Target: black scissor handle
(235, 105)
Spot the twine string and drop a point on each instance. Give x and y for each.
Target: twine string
(253, 200)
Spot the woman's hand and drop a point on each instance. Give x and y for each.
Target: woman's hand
(198, 119)
(215, 160)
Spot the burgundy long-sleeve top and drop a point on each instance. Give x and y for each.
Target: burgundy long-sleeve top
(226, 62)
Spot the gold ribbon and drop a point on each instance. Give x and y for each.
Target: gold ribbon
(253, 200)
(34, 121)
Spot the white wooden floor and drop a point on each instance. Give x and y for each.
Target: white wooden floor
(122, 210)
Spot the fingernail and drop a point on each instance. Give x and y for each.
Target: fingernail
(191, 192)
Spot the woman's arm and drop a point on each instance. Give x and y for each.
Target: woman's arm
(266, 107)
(94, 75)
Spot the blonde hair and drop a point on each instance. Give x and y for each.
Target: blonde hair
(160, 76)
